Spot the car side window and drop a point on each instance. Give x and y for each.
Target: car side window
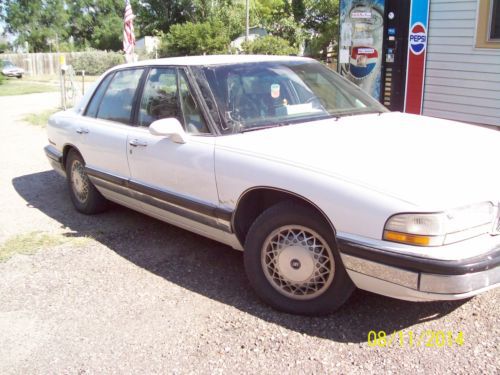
(159, 97)
(93, 106)
(117, 102)
(193, 118)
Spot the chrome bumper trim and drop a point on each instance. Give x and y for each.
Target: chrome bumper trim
(458, 284)
(381, 271)
(445, 285)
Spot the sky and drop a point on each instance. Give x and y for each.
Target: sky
(10, 38)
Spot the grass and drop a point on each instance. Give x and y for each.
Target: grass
(36, 84)
(30, 243)
(50, 78)
(39, 119)
(14, 86)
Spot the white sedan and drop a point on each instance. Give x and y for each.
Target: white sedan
(321, 186)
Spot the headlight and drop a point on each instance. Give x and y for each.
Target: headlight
(442, 228)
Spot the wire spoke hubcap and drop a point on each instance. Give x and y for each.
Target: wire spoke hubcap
(298, 262)
(79, 181)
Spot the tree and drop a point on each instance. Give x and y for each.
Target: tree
(97, 23)
(232, 15)
(196, 39)
(268, 45)
(154, 16)
(298, 10)
(35, 22)
(45, 24)
(321, 17)
(277, 16)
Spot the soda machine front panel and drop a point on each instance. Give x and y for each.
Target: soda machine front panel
(361, 42)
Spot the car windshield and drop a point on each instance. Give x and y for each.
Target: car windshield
(7, 64)
(251, 96)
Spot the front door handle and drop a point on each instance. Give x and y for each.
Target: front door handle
(82, 130)
(136, 142)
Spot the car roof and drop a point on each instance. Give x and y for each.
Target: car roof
(215, 60)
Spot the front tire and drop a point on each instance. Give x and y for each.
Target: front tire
(84, 195)
(292, 262)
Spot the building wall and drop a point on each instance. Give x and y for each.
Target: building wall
(462, 82)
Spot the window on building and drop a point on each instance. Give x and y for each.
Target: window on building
(488, 24)
(495, 20)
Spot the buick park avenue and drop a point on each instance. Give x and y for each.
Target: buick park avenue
(321, 186)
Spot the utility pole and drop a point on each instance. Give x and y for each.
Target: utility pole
(247, 29)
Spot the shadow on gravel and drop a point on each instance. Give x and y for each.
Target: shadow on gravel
(214, 270)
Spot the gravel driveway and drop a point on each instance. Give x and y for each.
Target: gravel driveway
(123, 293)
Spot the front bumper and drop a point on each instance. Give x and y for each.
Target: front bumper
(413, 278)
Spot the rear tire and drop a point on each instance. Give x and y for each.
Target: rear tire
(84, 195)
(292, 262)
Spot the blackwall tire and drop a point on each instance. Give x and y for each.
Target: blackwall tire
(292, 262)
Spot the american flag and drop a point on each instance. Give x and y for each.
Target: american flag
(128, 29)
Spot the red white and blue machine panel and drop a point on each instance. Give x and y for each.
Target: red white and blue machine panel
(417, 51)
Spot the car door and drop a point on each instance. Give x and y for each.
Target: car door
(173, 178)
(102, 130)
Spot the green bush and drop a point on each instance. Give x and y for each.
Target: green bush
(96, 62)
(4, 47)
(268, 45)
(205, 38)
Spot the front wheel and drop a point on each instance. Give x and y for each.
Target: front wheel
(83, 193)
(292, 262)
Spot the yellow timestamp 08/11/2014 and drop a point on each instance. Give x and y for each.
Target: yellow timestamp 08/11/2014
(428, 338)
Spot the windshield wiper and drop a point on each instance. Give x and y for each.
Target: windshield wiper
(338, 115)
(250, 129)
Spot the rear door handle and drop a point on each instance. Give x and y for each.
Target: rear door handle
(82, 130)
(136, 142)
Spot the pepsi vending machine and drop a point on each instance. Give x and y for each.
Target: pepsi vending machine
(382, 49)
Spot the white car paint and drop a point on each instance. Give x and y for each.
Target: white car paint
(363, 169)
(186, 169)
(425, 162)
(358, 170)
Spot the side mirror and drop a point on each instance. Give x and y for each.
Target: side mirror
(170, 128)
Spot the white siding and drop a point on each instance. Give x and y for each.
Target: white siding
(462, 82)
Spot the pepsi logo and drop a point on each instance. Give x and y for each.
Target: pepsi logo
(418, 38)
(362, 61)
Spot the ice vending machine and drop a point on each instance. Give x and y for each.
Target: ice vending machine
(382, 49)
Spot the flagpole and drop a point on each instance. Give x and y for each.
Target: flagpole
(128, 33)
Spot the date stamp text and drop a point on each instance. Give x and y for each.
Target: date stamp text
(412, 339)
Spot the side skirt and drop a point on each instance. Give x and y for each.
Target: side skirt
(208, 226)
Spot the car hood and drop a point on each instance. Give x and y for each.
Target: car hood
(428, 162)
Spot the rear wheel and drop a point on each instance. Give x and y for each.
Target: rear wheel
(83, 193)
(292, 262)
